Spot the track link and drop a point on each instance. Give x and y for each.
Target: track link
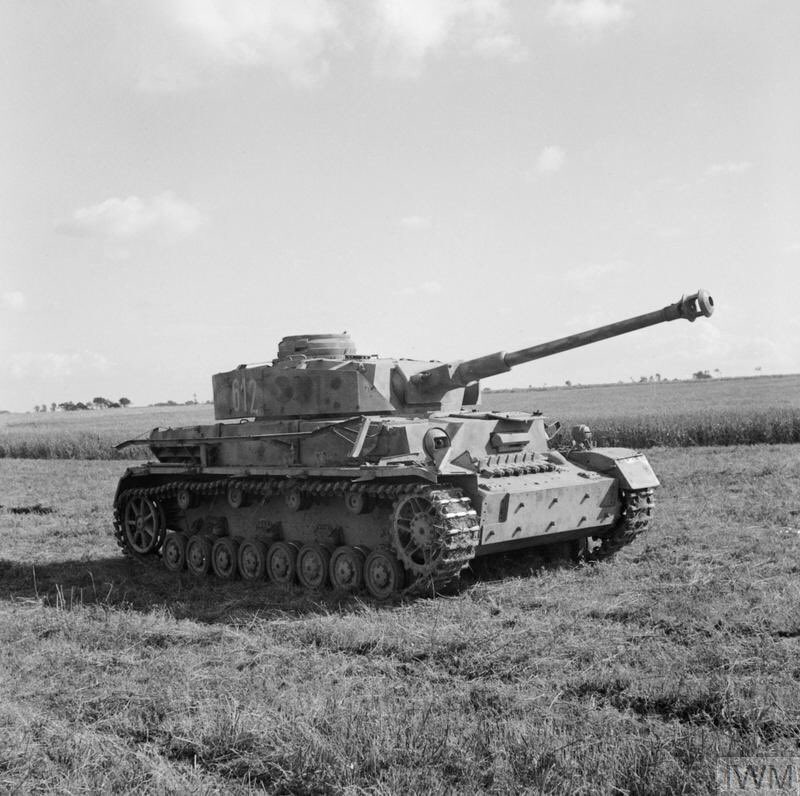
(454, 522)
(637, 516)
(435, 533)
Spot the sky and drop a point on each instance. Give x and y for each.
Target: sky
(184, 182)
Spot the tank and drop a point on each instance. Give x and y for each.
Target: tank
(359, 472)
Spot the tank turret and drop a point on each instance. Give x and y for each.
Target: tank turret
(321, 375)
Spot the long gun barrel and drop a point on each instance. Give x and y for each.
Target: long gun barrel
(471, 370)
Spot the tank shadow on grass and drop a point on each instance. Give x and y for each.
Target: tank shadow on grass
(121, 583)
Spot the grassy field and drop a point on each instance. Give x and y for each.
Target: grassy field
(627, 676)
(713, 412)
(90, 434)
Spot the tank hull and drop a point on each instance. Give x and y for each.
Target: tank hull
(365, 490)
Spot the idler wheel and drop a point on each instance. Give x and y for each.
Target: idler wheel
(224, 557)
(236, 495)
(198, 554)
(346, 569)
(252, 560)
(358, 502)
(383, 573)
(282, 561)
(312, 566)
(143, 525)
(297, 500)
(174, 552)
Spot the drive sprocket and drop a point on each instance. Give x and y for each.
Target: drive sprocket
(434, 534)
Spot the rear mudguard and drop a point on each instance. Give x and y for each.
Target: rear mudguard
(629, 466)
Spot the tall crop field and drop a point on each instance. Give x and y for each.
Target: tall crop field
(90, 434)
(714, 412)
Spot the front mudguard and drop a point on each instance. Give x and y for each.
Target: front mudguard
(629, 466)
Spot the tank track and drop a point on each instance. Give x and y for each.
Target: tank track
(456, 527)
(637, 516)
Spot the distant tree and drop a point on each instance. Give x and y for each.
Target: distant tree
(701, 374)
(568, 383)
(100, 402)
(123, 402)
(68, 406)
(643, 379)
(80, 405)
(658, 377)
(53, 407)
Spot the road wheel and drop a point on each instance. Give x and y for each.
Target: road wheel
(383, 573)
(224, 557)
(347, 568)
(281, 562)
(312, 566)
(252, 560)
(198, 554)
(173, 552)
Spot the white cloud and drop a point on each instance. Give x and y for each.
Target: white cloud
(734, 167)
(415, 222)
(298, 39)
(13, 300)
(411, 30)
(54, 365)
(589, 15)
(417, 26)
(291, 37)
(551, 159)
(124, 219)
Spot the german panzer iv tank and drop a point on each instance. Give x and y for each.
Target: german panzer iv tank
(354, 471)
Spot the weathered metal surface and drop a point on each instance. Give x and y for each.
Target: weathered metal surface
(320, 375)
(369, 471)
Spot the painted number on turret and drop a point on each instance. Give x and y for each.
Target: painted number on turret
(244, 395)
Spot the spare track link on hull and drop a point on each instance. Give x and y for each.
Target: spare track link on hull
(637, 515)
(437, 538)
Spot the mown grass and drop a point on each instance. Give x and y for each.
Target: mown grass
(715, 412)
(627, 676)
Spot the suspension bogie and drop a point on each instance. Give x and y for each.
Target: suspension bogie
(382, 536)
(319, 534)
